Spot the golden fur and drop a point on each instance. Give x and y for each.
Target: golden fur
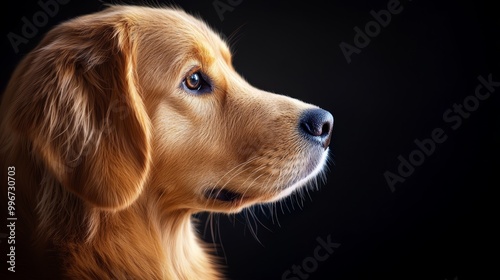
(113, 156)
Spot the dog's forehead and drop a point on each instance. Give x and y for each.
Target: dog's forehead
(194, 33)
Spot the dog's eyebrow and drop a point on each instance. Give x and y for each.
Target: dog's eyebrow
(207, 54)
(203, 53)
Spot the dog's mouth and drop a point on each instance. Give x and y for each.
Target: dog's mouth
(225, 195)
(221, 197)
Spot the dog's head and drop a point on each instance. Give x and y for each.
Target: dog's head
(143, 101)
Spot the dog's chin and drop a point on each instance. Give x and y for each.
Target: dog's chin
(313, 169)
(227, 200)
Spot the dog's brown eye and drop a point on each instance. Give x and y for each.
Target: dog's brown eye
(193, 82)
(197, 83)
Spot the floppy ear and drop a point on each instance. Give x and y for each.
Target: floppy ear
(78, 103)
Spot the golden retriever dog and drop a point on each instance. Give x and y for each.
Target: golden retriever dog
(120, 125)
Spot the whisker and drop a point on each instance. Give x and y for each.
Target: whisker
(249, 223)
(220, 238)
(237, 170)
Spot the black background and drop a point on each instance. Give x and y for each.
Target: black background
(441, 223)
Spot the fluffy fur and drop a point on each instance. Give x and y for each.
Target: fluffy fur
(113, 155)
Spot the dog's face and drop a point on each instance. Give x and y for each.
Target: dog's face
(221, 144)
(133, 102)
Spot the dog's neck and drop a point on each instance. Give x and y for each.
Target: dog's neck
(138, 242)
(141, 244)
(182, 248)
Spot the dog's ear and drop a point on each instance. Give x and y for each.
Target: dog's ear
(78, 103)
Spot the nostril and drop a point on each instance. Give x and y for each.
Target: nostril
(317, 123)
(310, 129)
(315, 129)
(325, 129)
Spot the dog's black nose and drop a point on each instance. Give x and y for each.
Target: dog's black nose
(316, 125)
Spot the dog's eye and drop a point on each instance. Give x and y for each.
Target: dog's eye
(196, 83)
(193, 82)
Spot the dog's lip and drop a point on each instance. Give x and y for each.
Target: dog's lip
(225, 195)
